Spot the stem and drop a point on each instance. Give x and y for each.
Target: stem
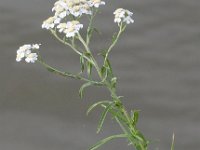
(121, 29)
(71, 46)
(124, 120)
(137, 140)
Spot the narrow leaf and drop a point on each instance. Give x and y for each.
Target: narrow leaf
(103, 116)
(83, 87)
(82, 63)
(135, 116)
(173, 139)
(89, 69)
(104, 141)
(97, 104)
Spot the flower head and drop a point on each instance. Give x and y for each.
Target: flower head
(50, 22)
(71, 28)
(78, 7)
(96, 3)
(123, 15)
(25, 51)
(31, 58)
(73, 7)
(60, 8)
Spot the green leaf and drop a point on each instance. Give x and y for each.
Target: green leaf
(97, 104)
(173, 139)
(89, 69)
(114, 37)
(83, 87)
(109, 66)
(135, 117)
(104, 141)
(113, 82)
(82, 62)
(103, 116)
(50, 69)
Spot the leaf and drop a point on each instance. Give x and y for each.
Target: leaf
(83, 87)
(50, 69)
(173, 139)
(109, 66)
(89, 68)
(113, 82)
(114, 37)
(97, 104)
(103, 116)
(135, 117)
(104, 141)
(82, 62)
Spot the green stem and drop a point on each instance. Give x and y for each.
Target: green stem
(124, 120)
(121, 29)
(137, 141)
(66, 74)
(71, 46)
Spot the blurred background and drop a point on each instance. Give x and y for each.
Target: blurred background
(157, 62)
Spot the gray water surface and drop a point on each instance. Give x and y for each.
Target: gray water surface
(157, 62)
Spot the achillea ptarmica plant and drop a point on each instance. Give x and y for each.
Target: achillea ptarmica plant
(65, 25)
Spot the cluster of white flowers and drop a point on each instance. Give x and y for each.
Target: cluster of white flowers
(96, 3)
(70, 28)
(76, 8)
(50, 22)
(123, 15)
(25, 51)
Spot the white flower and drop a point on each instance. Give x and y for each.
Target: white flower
(25, 52)
(31, 58)
(62, 27)
(78, 7)
(60, 8)
(36, 46)
(50, 22)
(96, 3)
(123, 15)
(71, 28)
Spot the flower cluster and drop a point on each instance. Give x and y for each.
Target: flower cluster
(75, 8)
(70, 28)
(25, 51)
(123, 15)
(96, 3)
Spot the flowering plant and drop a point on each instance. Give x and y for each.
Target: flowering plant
(66, 27)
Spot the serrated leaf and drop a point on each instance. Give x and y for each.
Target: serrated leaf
(103, 116)
(104, 141)
(97, 104)
(83, 87)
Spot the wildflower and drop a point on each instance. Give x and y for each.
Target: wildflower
(62, 27)
(31, 58)
(78, 7)
(25, 51)
(50, 22)
(60, 8)
(123, 15)
(96, 3)
(70, 28)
